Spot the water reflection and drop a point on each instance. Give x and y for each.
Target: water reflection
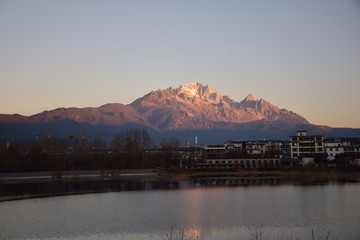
(31, 189)
(207, 212)
(238, 181)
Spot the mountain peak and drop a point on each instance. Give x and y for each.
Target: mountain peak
(198, 90)
(191, 88)
(250, 97)
(192, 85)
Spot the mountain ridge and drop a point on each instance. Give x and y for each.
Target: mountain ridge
(197, 106)
(189, 107)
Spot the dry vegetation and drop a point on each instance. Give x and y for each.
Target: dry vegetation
(256, 232)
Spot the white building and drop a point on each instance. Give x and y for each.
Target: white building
(333, 148)
(255, 147)
(336, 146)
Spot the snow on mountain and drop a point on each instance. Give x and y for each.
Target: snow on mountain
(190, 106)
(197, 106)
(197, 90)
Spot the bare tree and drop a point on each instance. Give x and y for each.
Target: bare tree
(257, 232)
(169, 151)
(131, 146)
(173, 234)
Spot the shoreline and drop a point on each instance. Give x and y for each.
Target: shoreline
(295, 175)
(17, 186)
(173, 175)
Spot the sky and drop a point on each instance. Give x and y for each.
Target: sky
(303, 56)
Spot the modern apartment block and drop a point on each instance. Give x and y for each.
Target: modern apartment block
(303, 145)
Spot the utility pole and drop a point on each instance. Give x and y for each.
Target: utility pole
(196, 149)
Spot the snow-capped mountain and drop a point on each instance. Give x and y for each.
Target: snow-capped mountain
(195, 106)
(189, 107)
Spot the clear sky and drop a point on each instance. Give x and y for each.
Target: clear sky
(300, 55)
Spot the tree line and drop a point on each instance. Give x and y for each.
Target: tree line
(129, 149)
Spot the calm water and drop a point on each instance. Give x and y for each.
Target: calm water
(222, 213)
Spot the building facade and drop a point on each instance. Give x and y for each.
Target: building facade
(242, 154)
(336, 146)
(303, 145)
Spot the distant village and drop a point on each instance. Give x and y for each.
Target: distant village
(301, 149)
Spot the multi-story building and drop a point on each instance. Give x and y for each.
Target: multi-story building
(303, 145)
(241, 154)
(214, 151)
(255, 147)
(234, 145)
(336, 146)
(333, 147)
(285, 149)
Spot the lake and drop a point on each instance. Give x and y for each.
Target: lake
(205, 212)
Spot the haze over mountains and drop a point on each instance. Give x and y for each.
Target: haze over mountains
(191, 109)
